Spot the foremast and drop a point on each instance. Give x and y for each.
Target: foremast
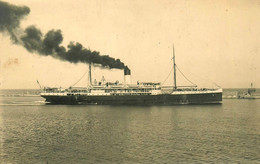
(89, 76)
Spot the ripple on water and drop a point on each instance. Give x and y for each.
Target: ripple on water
(227, 133)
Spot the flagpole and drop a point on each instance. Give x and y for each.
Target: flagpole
(39, 84)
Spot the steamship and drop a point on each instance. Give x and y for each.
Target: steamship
(141, 93)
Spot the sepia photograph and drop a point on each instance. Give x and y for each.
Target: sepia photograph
(129, 81)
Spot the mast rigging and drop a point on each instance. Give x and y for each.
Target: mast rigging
(174, 70)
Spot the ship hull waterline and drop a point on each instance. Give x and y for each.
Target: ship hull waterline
(161, 99)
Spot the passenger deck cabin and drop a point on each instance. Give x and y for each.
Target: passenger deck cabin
(130, 89)
(111, 89)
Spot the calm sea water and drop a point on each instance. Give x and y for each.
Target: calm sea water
(33, 132)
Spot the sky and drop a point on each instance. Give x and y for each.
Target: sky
(215, 42)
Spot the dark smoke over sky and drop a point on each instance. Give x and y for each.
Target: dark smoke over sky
(10, 17)
(50, 43)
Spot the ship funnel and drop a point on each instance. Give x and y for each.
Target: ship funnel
(127, 76)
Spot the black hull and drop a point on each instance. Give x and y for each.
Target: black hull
(163, 99)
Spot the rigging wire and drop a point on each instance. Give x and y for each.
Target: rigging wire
(205, 78)
(167, 76)
(185, 76)
(80, 78)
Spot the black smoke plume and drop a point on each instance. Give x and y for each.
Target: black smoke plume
(32, 39)
(50, 43)
(127, 71)
(10, 17)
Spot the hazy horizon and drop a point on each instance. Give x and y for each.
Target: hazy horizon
(40, 89)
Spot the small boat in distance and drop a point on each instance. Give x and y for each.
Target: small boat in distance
(142, 93)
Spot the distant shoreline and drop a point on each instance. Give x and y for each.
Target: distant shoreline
(40, 89)
(228, 93)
